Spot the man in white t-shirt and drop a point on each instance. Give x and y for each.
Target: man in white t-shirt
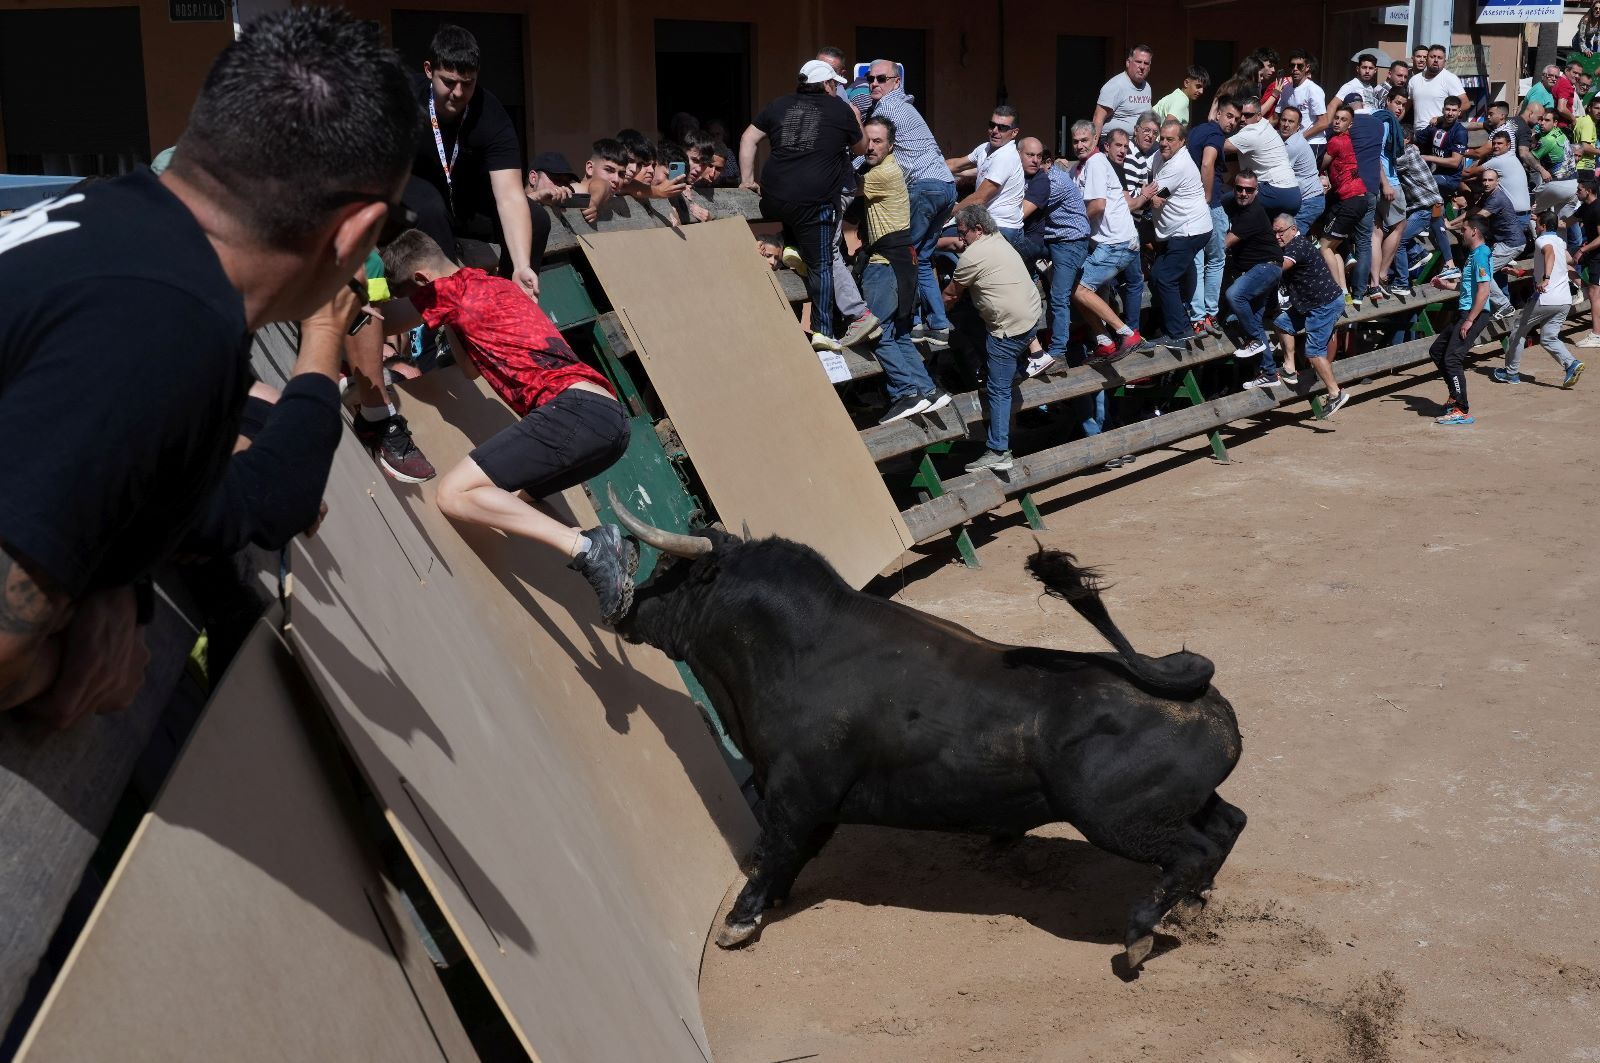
(1432, 87)
(1365, 83)
(1125, 97)
(1546, 314)
(1000, 180)
(1260, 150)
(1183, 228)
(1116, 247)
(1307, 96)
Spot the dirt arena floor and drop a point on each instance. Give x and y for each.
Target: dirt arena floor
(1406, 618)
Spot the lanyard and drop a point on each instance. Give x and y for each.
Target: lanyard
(449, 164)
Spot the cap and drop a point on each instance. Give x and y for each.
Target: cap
(816, 72)
(552, 162)
(1354, 97)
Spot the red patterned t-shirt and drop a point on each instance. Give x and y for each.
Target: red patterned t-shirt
(507, 336)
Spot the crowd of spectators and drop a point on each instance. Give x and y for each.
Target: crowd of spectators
(320, 183)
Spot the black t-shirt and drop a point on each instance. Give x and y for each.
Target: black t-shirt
(1254, 229)
(1588, 215)
(488, 143)
(123, 370)
(810, 134)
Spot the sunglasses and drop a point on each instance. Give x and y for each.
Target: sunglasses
(879, 79)
(1245, 190)
(1002, 128)
(1248, 114)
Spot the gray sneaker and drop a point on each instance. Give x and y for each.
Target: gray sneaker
(609, 565)
(1335, 404)
(861, 330)
(992, 461)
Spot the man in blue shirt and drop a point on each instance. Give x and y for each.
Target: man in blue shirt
(1450, 349)
(928, 181)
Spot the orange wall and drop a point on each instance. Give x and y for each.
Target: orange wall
(176, 58)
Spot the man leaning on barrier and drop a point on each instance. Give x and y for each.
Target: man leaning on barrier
(294, 158)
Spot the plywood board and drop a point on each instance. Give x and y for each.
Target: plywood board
(746, 393)
(247, 920)
(558, 789)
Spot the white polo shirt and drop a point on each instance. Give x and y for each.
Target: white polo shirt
(1004, 168)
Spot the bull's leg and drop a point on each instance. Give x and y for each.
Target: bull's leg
(1222, 823)
(791, 833)
(819, 837)
(1186, 856)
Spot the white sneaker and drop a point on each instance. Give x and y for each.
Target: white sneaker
(1253, 349)
(1592, 340)
(1039, 363)
(819, 342)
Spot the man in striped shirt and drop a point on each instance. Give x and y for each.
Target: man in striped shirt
(1424, 207)
(928, 182)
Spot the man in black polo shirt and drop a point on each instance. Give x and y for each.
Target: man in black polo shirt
(125, 328)
(813, 134)
(467, 179)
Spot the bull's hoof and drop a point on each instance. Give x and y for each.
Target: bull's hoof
(732, 935)
(1139, 951)
(1186, 909)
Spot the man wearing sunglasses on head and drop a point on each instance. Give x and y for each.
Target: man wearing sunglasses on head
(125, 332)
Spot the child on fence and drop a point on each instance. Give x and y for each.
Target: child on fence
(572, 426)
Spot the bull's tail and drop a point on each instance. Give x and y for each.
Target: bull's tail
(1180, 674)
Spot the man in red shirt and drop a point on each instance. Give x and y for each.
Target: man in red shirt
(1347, 193)
(572, 428)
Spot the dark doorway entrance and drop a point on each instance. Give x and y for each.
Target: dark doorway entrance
(909, 48)
(1217, 58)
(703, 69)
(91, 122)
(1080, 71)
(503, 71)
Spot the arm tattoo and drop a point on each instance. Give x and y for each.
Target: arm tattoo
(25, 608)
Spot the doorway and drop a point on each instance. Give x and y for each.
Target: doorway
(91, 122)
(909, 48)
(1080, 71)
(703, 69)
(1218, 59)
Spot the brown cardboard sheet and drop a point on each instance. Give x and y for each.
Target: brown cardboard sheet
(558, 790)
(746, 393)
(247, 921)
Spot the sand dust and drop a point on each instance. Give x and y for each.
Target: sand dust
(1406, 618)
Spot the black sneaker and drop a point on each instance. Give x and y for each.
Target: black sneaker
(391, 443)
(904, 407)
(609, 565)
(1335, 404)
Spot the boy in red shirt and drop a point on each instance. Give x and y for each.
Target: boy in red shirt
(572, 427)
(1347, 194)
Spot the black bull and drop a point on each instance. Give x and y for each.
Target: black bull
(855, 709)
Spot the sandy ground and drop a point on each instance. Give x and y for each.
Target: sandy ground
(1406, 618)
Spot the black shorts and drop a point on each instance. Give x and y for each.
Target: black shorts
(571, 439)
(1340, 220)
(1590, 266)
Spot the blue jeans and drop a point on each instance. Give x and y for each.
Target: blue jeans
(1006, 356)
(1130, 282)
(1173, 278)
(1247, 298)
(931, 201)
(1363, 239)
(1311, 209)
(1066, 265)
(1208, 262)
(1317, 325)
(902, 364)
(1279, 200)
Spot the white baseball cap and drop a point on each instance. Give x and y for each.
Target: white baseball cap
(816, 72)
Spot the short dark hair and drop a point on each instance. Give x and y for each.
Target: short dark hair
(1400, 63)
(411, 250)
(698, 139)
(1547, 220)
(1477, 224)
(1298, 114)
(611, 150)
(719, 148)
(888, 126)
(1438, 48)
(454, 48)
(1498, 105)
(832, 52)
(1004, 110)
(1300, 53)
(1265, 55)
(640, 148)
(1400, 94)
(1343, 106)
(305, 113)
(1367, 57)
(1502, 134)
(1198, 73)
(1145, 48)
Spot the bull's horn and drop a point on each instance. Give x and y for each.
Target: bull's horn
(667, 542)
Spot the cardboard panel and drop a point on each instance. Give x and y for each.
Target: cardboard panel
(745, 392)
(558, 790)
(247, 920)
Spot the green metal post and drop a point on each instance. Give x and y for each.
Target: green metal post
(1189, 388)
(926, 481)
(1031, 512)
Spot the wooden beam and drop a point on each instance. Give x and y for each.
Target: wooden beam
(965, 495)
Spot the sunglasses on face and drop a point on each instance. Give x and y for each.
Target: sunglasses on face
(1297, 66)
(879, 79)
(1245, 190)
(1002, 128)
(1248, 114)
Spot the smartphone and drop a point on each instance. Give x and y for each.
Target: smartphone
(677, 170)
(577, 199)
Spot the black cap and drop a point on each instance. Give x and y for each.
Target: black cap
(1354, 97)
(552, 162)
